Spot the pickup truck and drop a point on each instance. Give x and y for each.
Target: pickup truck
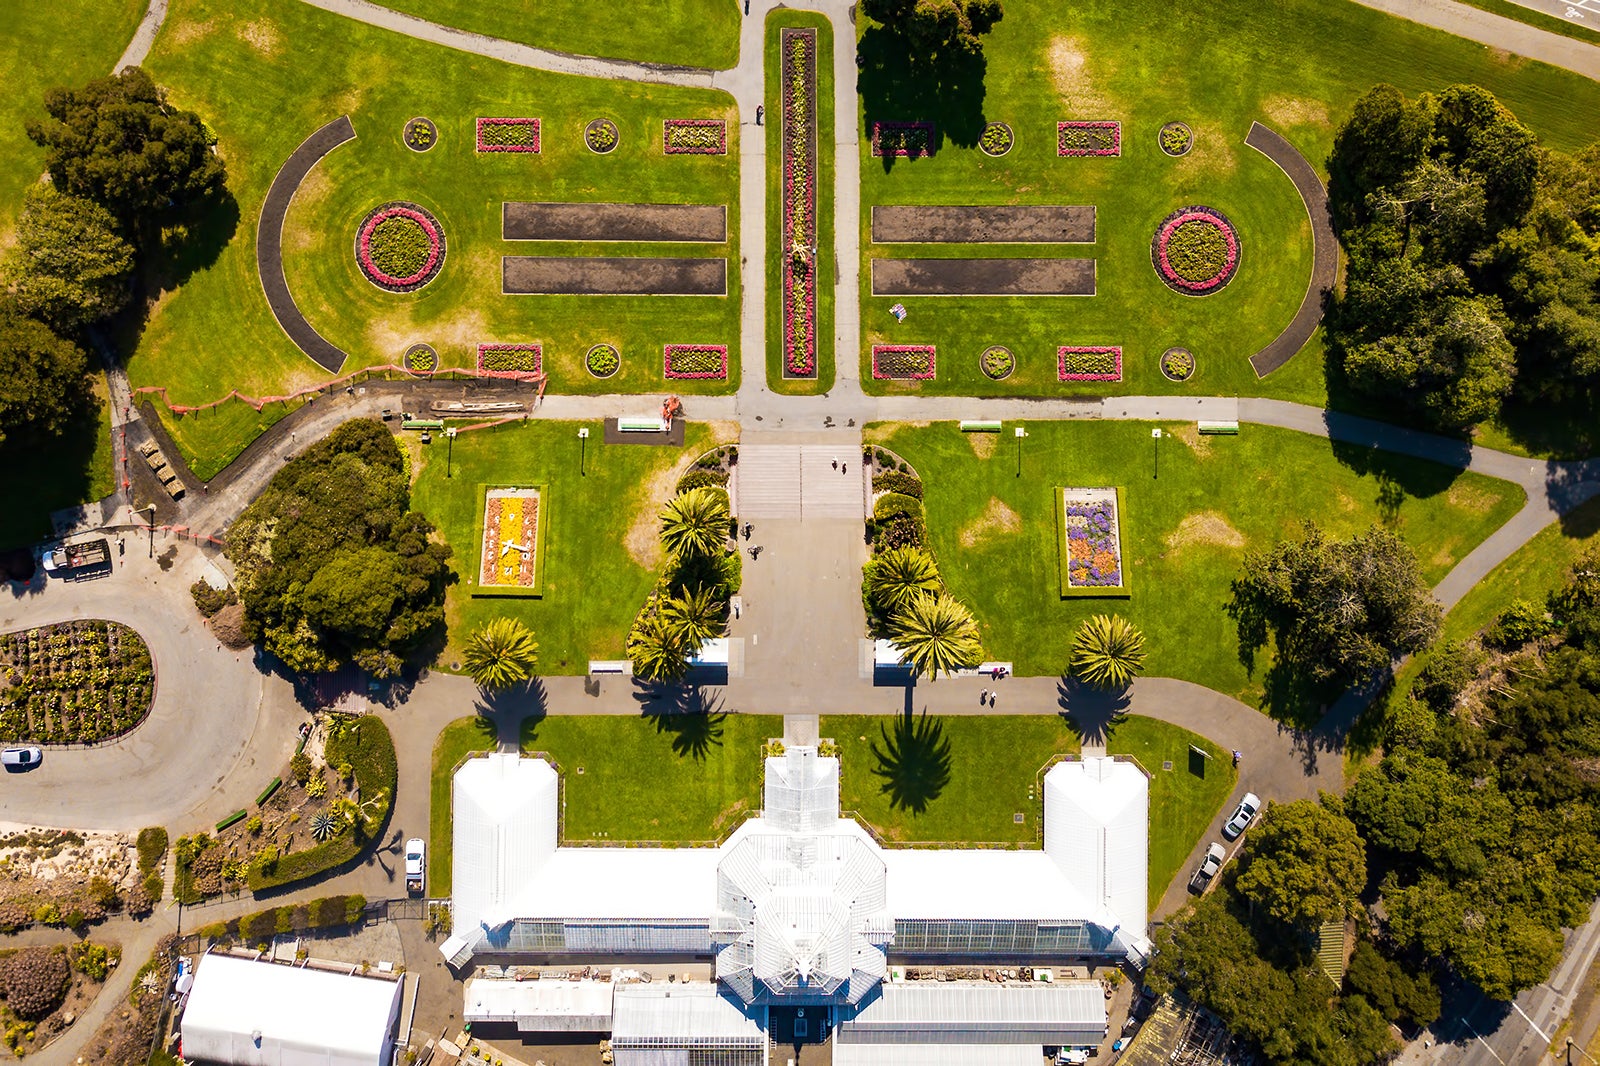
(64, 557)
(1216, 855)
(415, 864)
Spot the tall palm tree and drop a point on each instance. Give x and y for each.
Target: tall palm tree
(936, 632)
(1108, 652)
(501, 653)
(897, 576)
(657, 651)
(695, 522)
(695, 615)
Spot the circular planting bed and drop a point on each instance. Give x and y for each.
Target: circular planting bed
(421, 134)
(400, 246)
(603, 360)
(997, 139)
(1176, 139)
(1177, 364)
(1195, 251)
(600, 135)
(997, 362)
(421, 359)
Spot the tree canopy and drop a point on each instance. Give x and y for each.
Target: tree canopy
(1305, 865)
(42, 384)
(500, 653)
(333, 566)
(935, 27)
(71, 266)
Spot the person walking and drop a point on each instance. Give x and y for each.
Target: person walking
(836, 462)
(993, 699)
(759, 112)
(983, 697)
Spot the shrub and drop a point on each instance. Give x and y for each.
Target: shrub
(895, 503)
(13, 916)
(602, 360)
(152, 845)
(140, 900)
(701, 478)
(94, 961)
(104, 893)
(35, 981)
(1518, 624)
(1447, 675)
(901, 531)
(894, 481)
(253, 825)
(228, 626)
(300, 767)
(211, 600)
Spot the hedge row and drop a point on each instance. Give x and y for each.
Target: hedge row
(328, 912)
(233, 819)
(266, 793)
(895, 481)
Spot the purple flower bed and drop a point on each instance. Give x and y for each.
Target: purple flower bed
(910, 139)
(695, 361)
(520, 361)
(1195, 262)
(508, 135)
(425, 229)
(1094, 549)
(1095, 363)
(1088, 138)
(903, 362)
(694, 136)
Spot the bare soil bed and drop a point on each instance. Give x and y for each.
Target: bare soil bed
(998, 224)
(983, 277)
(613, 276)
(523, 221)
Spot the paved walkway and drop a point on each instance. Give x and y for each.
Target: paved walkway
(1496, 31)
(144, 36)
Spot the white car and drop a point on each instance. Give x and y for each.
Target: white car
(1243, 815)
(416, 863)
(21, 758)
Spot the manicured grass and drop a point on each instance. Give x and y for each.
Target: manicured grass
(827, 279)
(42, 46)
(1184, 533)
(693, 33)
(211, 439)
(601, 553)
(265, 76)
(1296, 65)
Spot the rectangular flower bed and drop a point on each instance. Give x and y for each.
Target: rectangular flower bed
(508, 135)
(1094, 363)
(695, 361)
(694, 136)
(903, 362)
(798, 242)
(1091, 542)
(509, 559)
(1088, 138)
(520, 361)
(911, 139)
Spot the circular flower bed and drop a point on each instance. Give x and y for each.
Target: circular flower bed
(421, 359)
(1177, 364)
(603, 360)
(400, 246)
(1176, 138)
(421, 134)
(1195, 251)
(997, 362)
(600, 135)
(997, 139)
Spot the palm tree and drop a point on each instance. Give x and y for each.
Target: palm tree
(695, 615)
(360, 816)
(898, 575)
(1107, 652)
(936, 632)
(657, 651)
(501, 653)
(695, 522)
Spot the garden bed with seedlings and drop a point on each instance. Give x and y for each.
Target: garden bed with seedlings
(74, 683)
(47, 988)
(64, 877)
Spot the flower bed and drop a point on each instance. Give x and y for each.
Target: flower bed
(694, 136)
(1088, 138)
(911, 139)
(421, 359)
(1176, 138)
(1093, 536)
(602, 360)
(1093, 363)
(420, 134)
(601, 136)
(509, 558)
(799, 235)
(695, 361)
(997, 362)
(508, 135)
(1195, 250)
(1177, 364)
(996, 139)
(400, 246)
(903, 362)
(520, 361)
(74, 683)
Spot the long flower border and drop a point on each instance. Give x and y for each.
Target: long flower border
(720, 125)
(928, 350)
(518, 375)
(670, 350)
(1169, 226)
(1116, 139)
(430, 226)
(880, 128)
(1066, 351)
(530, 148)
(799, 138)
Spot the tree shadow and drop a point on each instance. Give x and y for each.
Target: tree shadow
(692, 716)
(1583, 520)
(1398, 476)
(914, 761)
(42, 473)
(1092, 713)
(509, 711)
(190, 241)
(900, 83)
(1565, 430)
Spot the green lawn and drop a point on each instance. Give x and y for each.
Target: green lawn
(211, 439)
(1296, 65)
(826, 274)
(693, 33)
(65, 42)
(1184, 534)
(601, 552)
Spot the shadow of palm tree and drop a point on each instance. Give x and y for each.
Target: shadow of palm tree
(508, 709)
(1092, 713)
(694, 719)
(914, 762)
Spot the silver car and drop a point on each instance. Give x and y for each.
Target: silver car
(21, 758)
(1242, 816)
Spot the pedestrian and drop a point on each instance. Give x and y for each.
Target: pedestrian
(836, 462)
(993, 698)
(1237, 755)
(983, 697)
(747, 529)
(759, 112)
(844, 468)
(747, 7)
(735, 610)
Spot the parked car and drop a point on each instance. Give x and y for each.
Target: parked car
(21, 758)
(1243, 815)
(415, 864)
(1216, 855)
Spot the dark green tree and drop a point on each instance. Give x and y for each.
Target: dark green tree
(1305, 864)
(43, 387)
(70, 267)
(936, 27)
(1393, 991)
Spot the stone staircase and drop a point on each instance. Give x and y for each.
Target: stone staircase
(768, 482)
(800, 481)
(827, 492)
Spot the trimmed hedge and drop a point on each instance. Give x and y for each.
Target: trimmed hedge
(894, 481)
(700, 478)
(327, 912)
(266, 793)
(233, 819)
(896, 503)
(152, 845)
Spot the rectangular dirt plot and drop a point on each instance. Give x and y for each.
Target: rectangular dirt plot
(983, 277)
(521, 221)
(582, 275)
(1040, 224)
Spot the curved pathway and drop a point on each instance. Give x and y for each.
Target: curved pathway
(269, 242)
(1324, 248)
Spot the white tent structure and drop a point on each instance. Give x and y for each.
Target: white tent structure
(242, 1012)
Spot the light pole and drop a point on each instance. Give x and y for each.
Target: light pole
(1156, 436)
(152, 524)
(583, 447)
(449, 449)
(1020, 433)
